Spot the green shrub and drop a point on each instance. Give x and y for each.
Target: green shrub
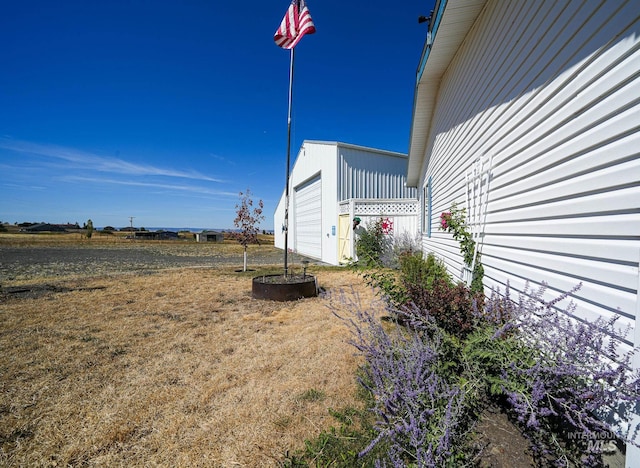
(387, 283)
(398, 246)
(489, 356)
(416, 271)
(370, 245)
(89, 228)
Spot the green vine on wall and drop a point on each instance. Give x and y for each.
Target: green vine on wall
(454, 221)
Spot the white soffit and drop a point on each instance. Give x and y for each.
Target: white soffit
(457, 19)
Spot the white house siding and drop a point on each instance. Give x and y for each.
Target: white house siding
(551, 91)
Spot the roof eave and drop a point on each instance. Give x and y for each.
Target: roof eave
(448, 28)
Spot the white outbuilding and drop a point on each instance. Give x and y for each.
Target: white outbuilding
(331, 183)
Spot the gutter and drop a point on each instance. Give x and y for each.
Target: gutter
(434, 24)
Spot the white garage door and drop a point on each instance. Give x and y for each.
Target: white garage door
(308, 218)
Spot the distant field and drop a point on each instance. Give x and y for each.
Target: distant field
(162, 365)
(13, 236)
(35, 257)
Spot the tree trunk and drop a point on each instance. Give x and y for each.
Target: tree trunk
(245, 259)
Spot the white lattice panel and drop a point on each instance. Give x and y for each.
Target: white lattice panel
(386, 208)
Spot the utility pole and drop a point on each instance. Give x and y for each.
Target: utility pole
(131, 223)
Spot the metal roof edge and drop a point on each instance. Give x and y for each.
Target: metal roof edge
(358, 147)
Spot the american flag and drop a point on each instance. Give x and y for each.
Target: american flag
(296, 23)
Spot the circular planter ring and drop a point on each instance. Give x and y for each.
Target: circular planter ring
(281, 288)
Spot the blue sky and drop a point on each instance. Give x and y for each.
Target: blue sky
(165, 110)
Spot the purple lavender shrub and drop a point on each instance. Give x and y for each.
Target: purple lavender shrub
(564, 375)
(422, 415)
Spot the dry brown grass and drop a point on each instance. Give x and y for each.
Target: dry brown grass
(179, 368)
(57, 238)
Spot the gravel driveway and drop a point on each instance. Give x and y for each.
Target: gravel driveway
(26, 263)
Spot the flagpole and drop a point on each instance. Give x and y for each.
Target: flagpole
(296, 23)
(286, 206)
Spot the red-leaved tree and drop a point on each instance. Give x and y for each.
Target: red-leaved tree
(247, 221)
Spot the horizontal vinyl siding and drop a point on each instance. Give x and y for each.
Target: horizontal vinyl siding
(551, 90)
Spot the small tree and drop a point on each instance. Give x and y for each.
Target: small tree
(89, 228)
(247, 220)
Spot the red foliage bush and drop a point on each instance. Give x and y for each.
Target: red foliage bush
(452, 306)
